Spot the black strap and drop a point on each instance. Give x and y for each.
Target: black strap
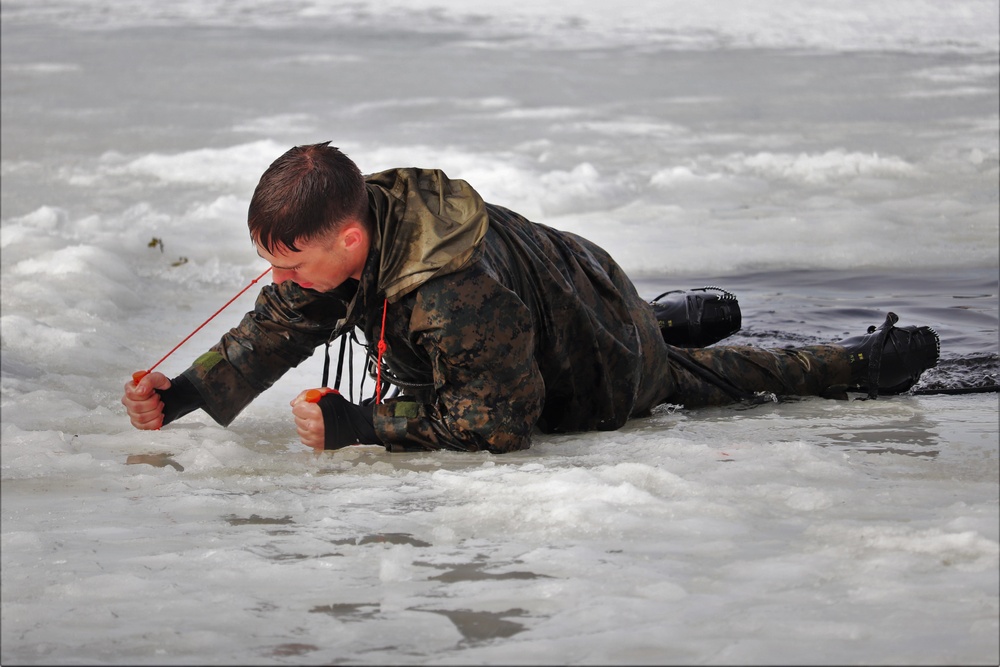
(340, 362)
(713, 378)
(326, 365)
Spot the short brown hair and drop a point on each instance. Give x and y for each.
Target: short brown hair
(306, 193)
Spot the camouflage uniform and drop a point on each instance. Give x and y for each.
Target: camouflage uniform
(494, 325)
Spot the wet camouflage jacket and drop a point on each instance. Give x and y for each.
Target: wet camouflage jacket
(494, 325)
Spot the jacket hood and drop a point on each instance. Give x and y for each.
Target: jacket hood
(426, 225)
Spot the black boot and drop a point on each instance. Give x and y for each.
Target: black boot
(698, 317)
(890, 359)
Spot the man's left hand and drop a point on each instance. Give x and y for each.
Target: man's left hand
(333, 422)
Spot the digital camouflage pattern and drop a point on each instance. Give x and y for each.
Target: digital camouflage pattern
(494, 326)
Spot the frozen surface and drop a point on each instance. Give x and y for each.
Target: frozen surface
(828, 161)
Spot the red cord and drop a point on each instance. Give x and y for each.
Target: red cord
(138, 375)
(381, 349)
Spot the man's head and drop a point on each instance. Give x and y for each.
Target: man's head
(305, 194)
(309, 217)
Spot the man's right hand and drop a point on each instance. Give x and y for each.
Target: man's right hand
(144, 405)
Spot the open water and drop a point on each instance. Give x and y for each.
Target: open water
(827, 161)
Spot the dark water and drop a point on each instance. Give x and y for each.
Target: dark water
(806, 307)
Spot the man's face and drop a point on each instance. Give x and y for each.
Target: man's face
(321, 264)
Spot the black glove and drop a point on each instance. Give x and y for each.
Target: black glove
(345, 423)
(180, 399)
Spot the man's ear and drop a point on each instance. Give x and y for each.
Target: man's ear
(352, 236)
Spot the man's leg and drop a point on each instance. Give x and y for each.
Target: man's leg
(888, 359)
(720, 375)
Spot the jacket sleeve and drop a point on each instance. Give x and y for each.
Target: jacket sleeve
(488, 391)
(284, 328)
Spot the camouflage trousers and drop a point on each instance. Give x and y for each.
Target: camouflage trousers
(726, 374)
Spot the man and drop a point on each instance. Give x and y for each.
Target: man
(490, 324)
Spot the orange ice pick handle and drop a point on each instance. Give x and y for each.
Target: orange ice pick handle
(313, 395)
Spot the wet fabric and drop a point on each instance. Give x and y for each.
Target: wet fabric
(757, 373)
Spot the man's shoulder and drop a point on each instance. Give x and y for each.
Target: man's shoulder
(472, 286)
